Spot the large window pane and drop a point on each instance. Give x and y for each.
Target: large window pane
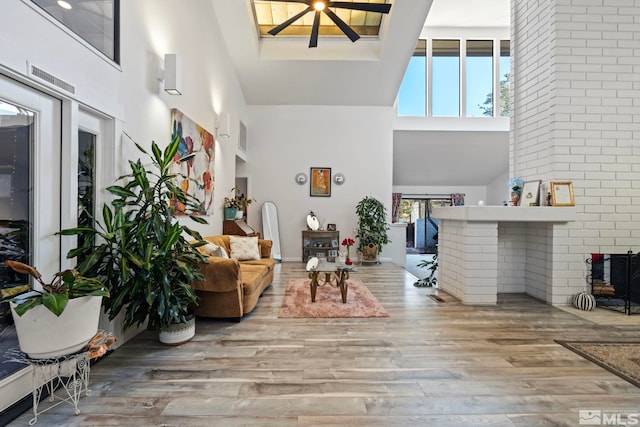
(16, 138)
(97, 22)
(412, 97)
(445, 93)
(479, 78)
(505, 78)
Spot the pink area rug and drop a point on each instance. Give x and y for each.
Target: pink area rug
(360, 301)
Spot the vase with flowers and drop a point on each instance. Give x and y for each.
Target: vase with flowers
(236, 205)
(515, 186)
(348, 242)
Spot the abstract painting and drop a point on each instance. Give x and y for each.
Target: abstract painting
(196, 174)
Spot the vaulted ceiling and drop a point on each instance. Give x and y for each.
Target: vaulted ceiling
(285, 71)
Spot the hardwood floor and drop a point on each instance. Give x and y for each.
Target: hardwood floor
(429, 364)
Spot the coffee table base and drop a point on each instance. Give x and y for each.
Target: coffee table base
(339, 276)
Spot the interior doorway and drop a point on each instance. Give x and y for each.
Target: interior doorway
(422, 228)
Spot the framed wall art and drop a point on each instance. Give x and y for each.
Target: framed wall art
(530, 194)
(196, 174)
(562, 193)
(320, 182)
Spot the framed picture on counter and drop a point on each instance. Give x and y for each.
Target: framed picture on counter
(530, 194)
(562, 193)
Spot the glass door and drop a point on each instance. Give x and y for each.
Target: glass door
(30, 183)
(422, 228)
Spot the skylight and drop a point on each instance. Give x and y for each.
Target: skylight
(269, 14)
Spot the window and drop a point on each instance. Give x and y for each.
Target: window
(452, 62)
(16, 140)
(412, 97)
(98, 23)
(479, 78)
(86, 179)
(505, 78)
(445, 69)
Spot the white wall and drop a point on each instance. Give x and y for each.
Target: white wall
(498, 190)
(286, 140)
(131, 93)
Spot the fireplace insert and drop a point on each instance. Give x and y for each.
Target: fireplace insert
(615, 281)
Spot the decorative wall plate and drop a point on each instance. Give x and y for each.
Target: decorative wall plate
(313, 222)
(312, 264)
(301, 178)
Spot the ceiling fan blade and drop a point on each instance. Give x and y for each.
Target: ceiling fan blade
(285, 24)
(292, 1)
(367, 7)
(346, 29)
(313, 41)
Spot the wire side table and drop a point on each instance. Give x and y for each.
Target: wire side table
(64, 378)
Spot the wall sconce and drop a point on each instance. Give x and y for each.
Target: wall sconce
(172, 74)
(301, 178)
(223, 125)
(338, 178)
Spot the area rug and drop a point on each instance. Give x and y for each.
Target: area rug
(622, 359)
(360, 301)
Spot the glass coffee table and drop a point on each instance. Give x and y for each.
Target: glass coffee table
(322, 272)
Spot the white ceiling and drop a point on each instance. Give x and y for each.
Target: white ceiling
(284, 71)
(477, 13)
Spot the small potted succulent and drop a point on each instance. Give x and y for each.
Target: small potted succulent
(56, 318)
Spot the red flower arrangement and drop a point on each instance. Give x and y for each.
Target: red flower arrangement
(348, 242)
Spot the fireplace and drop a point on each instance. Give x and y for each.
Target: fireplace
(615, 281)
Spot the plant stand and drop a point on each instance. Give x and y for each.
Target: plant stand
(63, 378)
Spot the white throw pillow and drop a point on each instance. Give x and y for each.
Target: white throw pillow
(212, 249)
(244, 248)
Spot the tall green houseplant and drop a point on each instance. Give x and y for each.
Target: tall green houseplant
(140, 248)
(372, 228)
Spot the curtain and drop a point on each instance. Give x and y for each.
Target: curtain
(457, 199)
(395, 206)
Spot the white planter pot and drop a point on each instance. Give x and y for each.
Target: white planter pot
(239, 214)
(43, 335)
(179, 333)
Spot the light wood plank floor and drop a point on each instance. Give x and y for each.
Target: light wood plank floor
(428, 364)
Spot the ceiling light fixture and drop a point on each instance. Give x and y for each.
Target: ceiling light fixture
(63, 4)
(319, 5)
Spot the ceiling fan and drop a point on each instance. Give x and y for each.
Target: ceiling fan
(320, 6)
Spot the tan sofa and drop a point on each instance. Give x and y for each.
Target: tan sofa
(231, 288)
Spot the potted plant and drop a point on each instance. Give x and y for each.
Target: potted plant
(57, 318)
(372, 228)
(230, 207)
(141, 251)
(239, 202)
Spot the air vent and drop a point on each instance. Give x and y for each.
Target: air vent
(242, 140)
(51, 79)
